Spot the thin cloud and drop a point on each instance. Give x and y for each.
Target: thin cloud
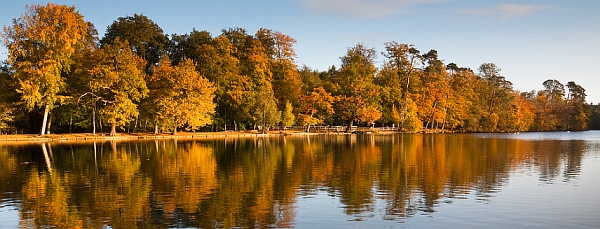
(513, 10)
(505, 11)
(363, 9)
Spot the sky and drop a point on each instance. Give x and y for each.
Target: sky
(529, 40)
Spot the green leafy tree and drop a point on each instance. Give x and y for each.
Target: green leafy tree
(264, 104)
(265, 110)
(578, 110)
(145, 37)
(246, 69)
(287, 116)
(310, 78)
(197, 46)
(594, 119)
(41, 44)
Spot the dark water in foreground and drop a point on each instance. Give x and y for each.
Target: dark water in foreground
(530, 180)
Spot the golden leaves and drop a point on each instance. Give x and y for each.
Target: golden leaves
(185, 97)
(41, 43)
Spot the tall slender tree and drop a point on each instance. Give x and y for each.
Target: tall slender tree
(578, 110)
(497, 94)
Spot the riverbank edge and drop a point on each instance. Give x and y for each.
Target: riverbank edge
(150, 136)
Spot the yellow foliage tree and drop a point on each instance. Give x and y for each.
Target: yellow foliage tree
(119, 80)
(182, 96)
(41, 44)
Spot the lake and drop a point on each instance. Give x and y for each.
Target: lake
(526, 180)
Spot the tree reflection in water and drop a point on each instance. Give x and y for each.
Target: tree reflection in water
(256, 182)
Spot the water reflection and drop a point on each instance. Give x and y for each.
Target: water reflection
(256, 182)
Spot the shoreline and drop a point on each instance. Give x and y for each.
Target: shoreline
(77, 137)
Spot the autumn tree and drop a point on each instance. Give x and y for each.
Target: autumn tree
(435, 92)
(390, 92)
(524, 115)
(84, 88)
(550, 106)
(287, 84)
(7, 99)
(246, 69)
(403, 60)
(144, 37)
(357, 95)
(461, 97)
(315, 107)
(255, 66)
(41, 44)
(181, 95)
(496, 92)
(397, 80)
(119, 81)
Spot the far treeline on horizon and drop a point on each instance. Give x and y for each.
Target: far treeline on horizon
(60, 75)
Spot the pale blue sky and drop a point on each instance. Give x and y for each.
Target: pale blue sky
(530, 40)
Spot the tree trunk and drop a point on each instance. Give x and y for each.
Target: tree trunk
(71, 124)
(349, 127)
(156, 128)
(94, 120)
(45, 120)
(113, 129)
(308, 129)
(174, 130)
(136, 124)
(49, 123)
(100, 123)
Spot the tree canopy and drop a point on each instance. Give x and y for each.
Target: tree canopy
(136, 78)
(41, 44)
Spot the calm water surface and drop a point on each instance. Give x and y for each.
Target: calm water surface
(529, 180)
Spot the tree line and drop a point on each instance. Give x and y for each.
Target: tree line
(60, 75)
